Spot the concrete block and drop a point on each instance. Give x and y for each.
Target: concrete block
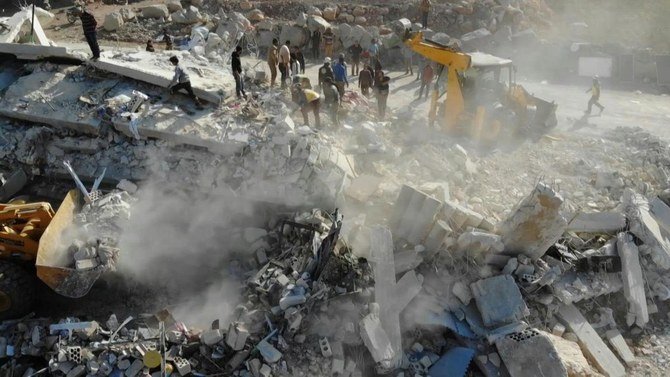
(375, 339)
(530, 353)
(211, 337)
(265, 371)
(86, 264)
(592, 346)
(535, 224)
(134, 368)
(156, 11)
(337, 367)
(237, 336)
(324, 345)
(437, 236)
(39, 52)
(661, 213)
(113, 21)
(597, 222)
(499, 300)
(644, 226)
(270, 354)
(77, 371)
(633, 280)
(617, 342)
(182, 365)
(416, 215)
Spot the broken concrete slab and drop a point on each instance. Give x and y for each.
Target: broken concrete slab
(499, 300)
(15, 25)
(172, 124)
(25, 51)
(535, 224)
(210, 82)
(661, 213)
(453, 363)
(617, 342)
(597, 222)
(391, 296)
(633, 280)
(376, 340)
(644, 226)
(414, 214)
(41, 96)
(530, 353)
(592, 346)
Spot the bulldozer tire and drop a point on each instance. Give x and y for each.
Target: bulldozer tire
(17, 290)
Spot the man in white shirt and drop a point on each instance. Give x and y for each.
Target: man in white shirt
(284, 61)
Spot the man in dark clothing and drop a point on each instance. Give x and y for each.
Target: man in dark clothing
(426, 79)
(365, 80)
(332, 99)
(182, 81)
(89, 24)
(316, 43)
(424, 8)
(301, 59)
(150, 46)
(356, 50)
(382, 96)
(167, 38)
(326, 70)
(237, 73)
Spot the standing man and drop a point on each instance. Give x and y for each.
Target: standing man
(308, 100)
(326, 70)
(382, 96)
(300, 57)
(340, 75)
(365, 80)
(373, 51)
(332, 98)
(595, 96)
(168, 40)
(316, 44)
(273, 59)
(284, 61)
(407, 56)
(426, 79)
(328, 41)
(424, 8)
(356, 50)
(89, 24)
(182, 81)
(236, 65)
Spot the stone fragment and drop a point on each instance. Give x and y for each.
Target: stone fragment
(499, 300)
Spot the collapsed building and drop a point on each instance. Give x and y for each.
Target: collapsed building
(439, 284)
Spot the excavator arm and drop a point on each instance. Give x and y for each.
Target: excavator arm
(455, 62)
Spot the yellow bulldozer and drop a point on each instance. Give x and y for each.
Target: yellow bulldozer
(31, 244)
(482, 97)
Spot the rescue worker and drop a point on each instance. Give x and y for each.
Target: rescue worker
(89, 25)
(273, 60)
(332, 99)
(236, 65)
(424, 8)
(382, 96)
(284, 61)
(326, 70)
(426, 79)
(308, 100)
(355, 50)
(365, 80)
(340, 75)
(595, 96)
(316, 44)
(328, 41)
(182, 81)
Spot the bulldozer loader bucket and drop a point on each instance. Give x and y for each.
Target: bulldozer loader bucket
(545, 116)
(53, 259)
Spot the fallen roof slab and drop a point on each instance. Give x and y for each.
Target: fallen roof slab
(175, 126)
(210, 83)
(26, 51)
(49, 98)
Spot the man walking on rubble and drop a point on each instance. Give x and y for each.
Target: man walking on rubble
(326, 70)
(273, 59)
(424, 8)
(382, 96)
(284, 62)
(595, 96)
(89, 25)
(316, 44)
(365, 79)
(182, 81)
(236, 65)
(355, 50)
(426, 79)
(340, 75)
(332, 99)
(328, 41)
(308, 100)
(167, 38)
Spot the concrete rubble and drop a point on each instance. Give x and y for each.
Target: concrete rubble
(442, 283)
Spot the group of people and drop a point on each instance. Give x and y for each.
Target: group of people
(290, 61)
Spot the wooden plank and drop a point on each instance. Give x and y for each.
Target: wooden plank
(593, 347)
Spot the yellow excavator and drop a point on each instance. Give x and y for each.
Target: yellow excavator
(31, 244)
(479, 104)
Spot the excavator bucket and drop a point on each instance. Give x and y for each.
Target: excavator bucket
(54, 264)
(545, 116)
